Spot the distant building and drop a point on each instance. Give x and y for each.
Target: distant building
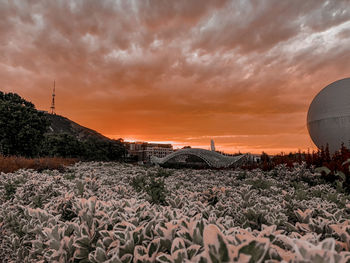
(143, 151)
(157, 151)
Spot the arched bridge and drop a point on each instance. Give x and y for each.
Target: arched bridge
(213, 159)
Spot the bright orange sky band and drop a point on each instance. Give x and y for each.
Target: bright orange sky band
(240, 72)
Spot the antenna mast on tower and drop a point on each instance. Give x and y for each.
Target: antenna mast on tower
(53, 100)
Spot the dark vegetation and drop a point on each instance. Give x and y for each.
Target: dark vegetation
(91, 149)
(333, 167)
(318, 158)
(22, 127)
(27, 132)
(12, 164)
(153, 185)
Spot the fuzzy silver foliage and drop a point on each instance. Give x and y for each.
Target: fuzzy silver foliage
(91, 213)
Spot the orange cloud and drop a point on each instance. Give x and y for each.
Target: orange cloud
(241, 72)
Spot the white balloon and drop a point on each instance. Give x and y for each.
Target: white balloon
(328, 118)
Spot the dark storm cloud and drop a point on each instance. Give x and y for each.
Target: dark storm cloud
(256, 26)
(155, 68)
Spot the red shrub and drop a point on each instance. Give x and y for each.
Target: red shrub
(14, 163)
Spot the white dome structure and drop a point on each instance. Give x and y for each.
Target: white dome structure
(328, 118)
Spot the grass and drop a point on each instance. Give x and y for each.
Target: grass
(13, 163)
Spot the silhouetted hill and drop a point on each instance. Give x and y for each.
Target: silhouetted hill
(68, 139)
(60, 124)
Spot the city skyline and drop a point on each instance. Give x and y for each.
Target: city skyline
(240, 72)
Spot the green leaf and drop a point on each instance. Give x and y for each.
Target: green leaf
(164, 258)
(140, 253)
(126, 258)
(81, 253)
(254, 249)
(341, 175)
(178, 243)
(223, 250)
(328, 244)
(185, 235)
(192, 250)
(346, 162)
(127, 248)
(179, 255)
(100, 255)
(107, 241)
(82, 242)
(153, 248)
(165, 244)
(323, 169)
(54, 244)
(114, 259)
(215, 244)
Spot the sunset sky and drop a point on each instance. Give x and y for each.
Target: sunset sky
(240, 72)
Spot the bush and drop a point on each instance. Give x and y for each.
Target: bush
(156, 190)
(68, 146)
(139, 183)
(62, 145)
(259, 184)
(13, 163)
(10, 190)
(211, 196)
(22, 127)
(153, 185)
(163, 173)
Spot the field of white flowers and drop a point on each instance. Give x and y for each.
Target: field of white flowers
(94, 213)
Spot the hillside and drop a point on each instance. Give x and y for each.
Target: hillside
(60, 124)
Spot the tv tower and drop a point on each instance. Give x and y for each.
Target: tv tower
(53, 100)
(212, 145)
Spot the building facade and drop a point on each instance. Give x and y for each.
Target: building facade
(143, 151)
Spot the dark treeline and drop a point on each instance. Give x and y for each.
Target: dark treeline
(334, 167)
(319, 158)
(68, 146)
(24, 132)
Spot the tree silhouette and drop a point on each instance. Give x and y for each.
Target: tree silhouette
(22, 127)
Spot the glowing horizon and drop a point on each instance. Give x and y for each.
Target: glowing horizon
(241, 72)
(179, 145)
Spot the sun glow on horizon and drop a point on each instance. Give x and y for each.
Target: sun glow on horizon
(182, 75)
(204, 143)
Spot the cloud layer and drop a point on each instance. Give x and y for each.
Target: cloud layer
(242, 72)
